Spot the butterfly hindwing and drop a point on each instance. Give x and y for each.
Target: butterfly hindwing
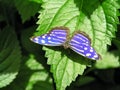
(56, 37)
(81, 44)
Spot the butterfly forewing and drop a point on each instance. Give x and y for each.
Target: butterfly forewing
(81, 44)
(79, 36)
(55, 37)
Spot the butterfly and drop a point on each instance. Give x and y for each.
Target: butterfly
(59, 36)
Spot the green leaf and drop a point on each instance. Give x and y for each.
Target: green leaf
(9, 3)
(26, 43)
(2, 18)
(96, 18)
(84, 80)
(60, 13)
(117, 43)
(37, 1)
(99, 20)
(110, 60)
(106, 75)
(10, 56)
(27, 8)
(33, 75)
(57, 13)
(64, 69)
(39, 80)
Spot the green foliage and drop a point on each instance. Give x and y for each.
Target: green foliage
(84, 80)
(27, 8)
(110, 60)
(64, 69)
(32, 76)
(44, 68)
(89, 19)
(10, 56)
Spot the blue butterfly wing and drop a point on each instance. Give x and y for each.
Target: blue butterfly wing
(55, 37)
(81, 44)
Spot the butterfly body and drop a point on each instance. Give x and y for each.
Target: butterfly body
(59, 36)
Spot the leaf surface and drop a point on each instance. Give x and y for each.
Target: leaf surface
(98, 19)
(10, 56)
(27, 8)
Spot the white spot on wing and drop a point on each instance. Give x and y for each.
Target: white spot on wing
(43, 36)
(43, 41)
(88, 54)
(91, 50)
(95, 56)
(85, 48)
(51, 42)
(85, 44)
(51, 34)
(54, 43)
(49, 38)
(36, 39)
